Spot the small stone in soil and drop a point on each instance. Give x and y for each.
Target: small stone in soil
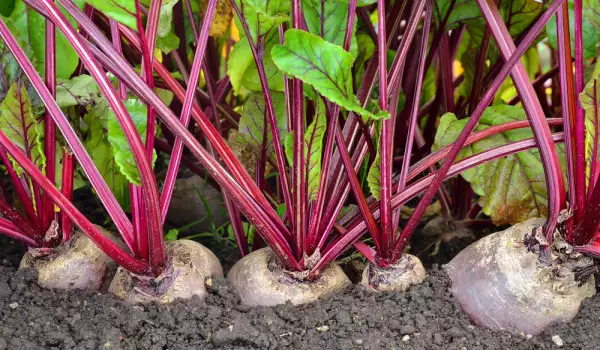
(406, 338)
(13, 305)
(323, 328)
(557, 340)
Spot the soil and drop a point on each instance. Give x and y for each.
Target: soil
(425, 317)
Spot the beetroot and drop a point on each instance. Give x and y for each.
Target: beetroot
(504, 287)
(260, 279)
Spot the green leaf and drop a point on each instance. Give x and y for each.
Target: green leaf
(121, 149)
(326, 67)
(97, 144)
(366, 48)
(172, 235)
(6, 7)
(40, 132)
(513, 188)
(374, 176)
(313, 145)
(167, 43)
(122, 11)
(591, 11)
(30, 28)
(166, 96)
(361, 3)
(242, 70)
(590, 28)
(591, 104)
(19, 124)
(518, 15)
(252, 120)
(328, 19)
(463, 11)
(262, 16)
(82, 90)
(166, 17)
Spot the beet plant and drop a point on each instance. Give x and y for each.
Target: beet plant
(154, 271)
(534, 273)
(522, 279)
(335, 98)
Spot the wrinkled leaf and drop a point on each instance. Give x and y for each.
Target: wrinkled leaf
(82, 90)
(518, 15)
(39, 130)
(252, 121)
(328, 19)
(242, 70)
(513, 188)
(590, 28)
(262, 16)
(121, 149)
(19, 124)
(326, 67)
(590, 102)
(101, 152)
(222, 19)
(591, 11)
(313, 145)
(166, 17)
(374, 176)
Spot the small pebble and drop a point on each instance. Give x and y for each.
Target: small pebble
(557, 340)
(358, 341)
(529, 336)
(323, 328)
(406, 338)
(13, 305)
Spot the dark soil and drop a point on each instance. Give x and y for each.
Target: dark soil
(426, 317)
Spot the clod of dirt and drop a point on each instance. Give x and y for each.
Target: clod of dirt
(260, 280)
(504, 287)
(191, 265)
(76, 264)
(394, 278)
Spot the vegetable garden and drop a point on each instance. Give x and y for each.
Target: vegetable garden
(248, 158)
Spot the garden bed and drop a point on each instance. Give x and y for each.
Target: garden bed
(425, 317)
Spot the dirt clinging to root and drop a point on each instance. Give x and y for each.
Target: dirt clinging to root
(425, 317)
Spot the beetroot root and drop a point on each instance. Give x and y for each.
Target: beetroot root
(76, 264)
(190, 266)
(260, 280)
(395, 278)
(504, 287)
